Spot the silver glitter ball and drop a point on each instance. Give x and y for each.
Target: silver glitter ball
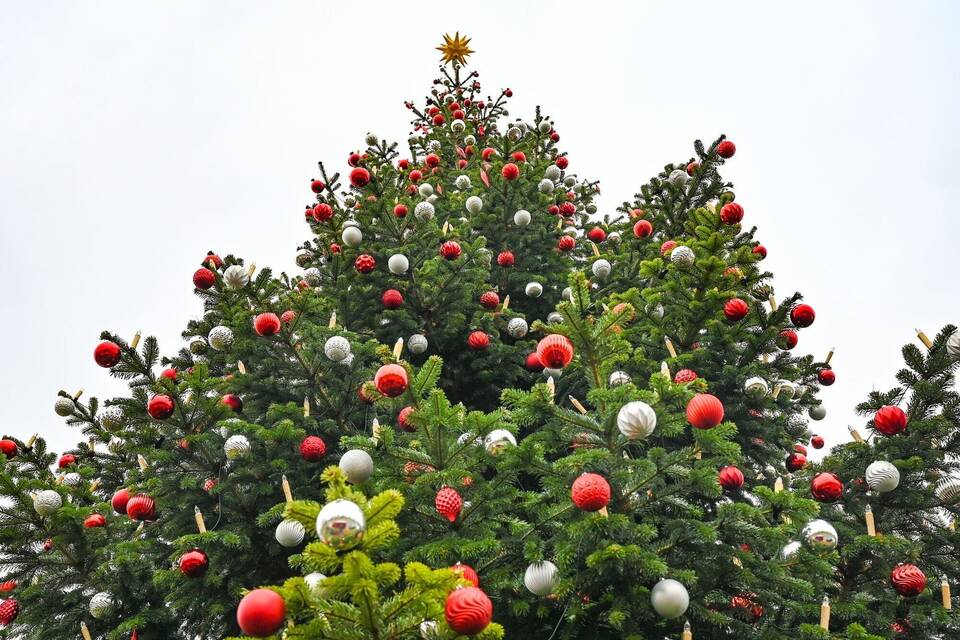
(63, 406)
(417, 344)
(220, 337)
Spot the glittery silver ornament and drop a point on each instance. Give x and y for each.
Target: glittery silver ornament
(881, 476)
(433, 146)
(462, 182)
(336, 348)
(541, 578)
(533, 289)
(818, 412)
(498, 440)
(111, 418)
(682, 256)
(820, 536)
(545, 186)
(63, 406)
(312, 276)
(469, 140)
(102, 605)
(678, 177)
(756, 387)
(570, 181)
(341, 524)
(601, 268)
(669, 598)
(198, 346)
(236, 446)
(424, 211)
(545, 127)
(220, 337)
(618, 378)
(552, 173)
(290, 533)
(425, 190)
(46, 502)
(236, 276)
(555, 317)
(517, 327)
(357, 465)
(371, 140)
(417, 344)
(463, 438)
(72, 479)
(636, 420)
(522, 218)
(655, 311)
(514, 133)
(430, 630)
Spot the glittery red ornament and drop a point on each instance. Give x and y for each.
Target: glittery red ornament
(505, 259)
(467, 573)
(826, 487)
(403, 419)
(642, 229)
(416, 176)
(141, 507)
(731, 213)
(209, 484)
(432, 160)
(9, 609)
(450, 250)
(359, 177)
(533, 363)
(266, 324)
(890, 420)
(391, 380)
(392, 299)
(796, 461)
(261, 613)
(107, 354)
(908, 580)
(555, 351)
(203, 278)
(735, 309)
(787, 339)
(566, 243)
(510, 171)
(448, 503)
(489, 300)
(119, 500)
(364, 263)
(597, 235)
(826, 377)
(232, 401)
(562, 161)
(312, 448)
(731, 478)
(817, 442)
(94, 520)
(684, 375)
(288, 316)
(8, 448)
(726, 149)
(704, 411)
(194, 563)
(590, 492)
(478, 340)
(160, 407)
(468, 611)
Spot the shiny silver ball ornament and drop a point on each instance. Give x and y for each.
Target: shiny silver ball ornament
(102, 605)
(614, 237)
(953, 345)
(424, 211)
(336, 348)
(198, 346)
(882, 477)
(545, 127)
(304, 258)
(236, 276)
(425, 189)
(591, 208)
(341, 524)
(357, 465)
(552, 173)
(433, 146)
(414, 139)
(469, 140)
(789, 550)
(236, 446)
(417, 344)
(312, 276)
(567, 294)
(682, 256)
(522, 218)
(290, 533)
(371, 140)
(555, 317)
(545, 186)
(517, 328)
(398, 264)
(818, 412)
(220, 337)
(72, 479)
(669, 598)
(636, 420)
(430, 630)
(541, 578)
(458, 126)
(351, 236)
(462, 182)
(314, 581)
(756, 387)
(111, 418)
(474, 204)
(498, 440)
(678, 177)
(533, 289)
(787, 389)
(947, 490)
(63, 406)
(47, 502)
(820, 536)
(618, 378)
(655, 311)
(601, 268)
(570, 181)
(514, 133)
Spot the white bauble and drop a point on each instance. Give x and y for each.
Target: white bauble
(614, 237)
(636, 420)
(341, 524)
(682, 256)
(313, 582)
(462, 182)
(357, 465)
(882, 476)
(953, 345)
(570, 181)
(430, 630)
(398, 264)
(336, 348)
(463, 438)
(545, 127)
(236, 276)
(102, 605)
(236, 446)
(521, 218)
(424, 211)
(432, 200)
(618, 378)
(349, 200)
(787, 389)
(371, 140)
(601, 268)
(484, 256)
(220, 337)
(498, 440)
(541, 578)
(352, 236)
(678, 177)
(433, 146)
(567, 294)
(46, 502)
(517, 327)
(474, 204)
(818, 412)
(756, 387)
(820, 536)
(469, 140)
(312, 276)
(555, 317)
(533, 289)
(669, 598)
(947, 489)
(425, 189)
(458, 126)
(63, 406)
(545, 186)
(290, 533)
(655, 311)
(789, 550)
(417, 344)
(72, 479)
(552, 173)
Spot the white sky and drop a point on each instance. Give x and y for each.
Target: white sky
(136, 136)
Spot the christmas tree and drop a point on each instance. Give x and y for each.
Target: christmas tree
(482, 409)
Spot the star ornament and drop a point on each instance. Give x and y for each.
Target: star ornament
(455, 49)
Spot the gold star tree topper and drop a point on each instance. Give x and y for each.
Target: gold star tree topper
(455, 49)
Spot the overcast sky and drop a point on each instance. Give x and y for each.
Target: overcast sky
(136, 136)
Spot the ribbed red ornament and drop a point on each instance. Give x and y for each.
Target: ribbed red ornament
(802, 315)
(322, 212)
(288, 316)
(467, 573)
(566, 243)
(555, 351)
(119, 501)
(826, 487)
(266, 324)
(261, 613)
(94, 520)
(590, 492)
(9, 609)
(450, 250)
(510, 171)
(704, 411)
(731, 478)
(735, 309)
(684, 375)
(403, 419)
(160, 407)
(468, 610)
(890, 420)
(66, 460)
(908, 580)
(392, 299)
(667, 247)
(312, 448)
(391, 380)
(478, 340)
(489, 299)
(141, 507)
(107, 354)
(731, 213)
(448, 503)
(203, 278)
(359, 177)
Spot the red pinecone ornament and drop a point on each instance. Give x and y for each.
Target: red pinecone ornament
(10, 608)
(392, 299)
(194, 563)
(141, 507)
(731, 213)
(802, 315)
(107, 354)
(490, 300)
(726, 149)
(312, 448)
(555, 351)
(590, 492)
(468, 610)
(467, 573)
(261, 613)
(908, 580)
(203, 278)
(119, 501)
(731, 478)
(735, 309)
(450, 250)
(478, 340)
(826, 487)
(160, 407)
(391, 380)
(266, 324)
(364, 263)
(505, 259)
(684, 375)
(890, 420)
(448, 503)
(704, 411)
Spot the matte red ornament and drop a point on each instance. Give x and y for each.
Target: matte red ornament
(403, 419)
(203, 278)
(66, 460)
(760, 251)
(169, 374)
(467, 573)
(94, 520)
(8, 448)
(704, 411)
(233, 402)
(317, 186)
(107, 354)
(448, 503)
(692, 167)
(533, 362)
(826, 487)
(266, 324)
(505, 259)
(642, 228)
(401, 211)
(890, 420)
(288, 316)
(817, 442)
(684, 375)
(490, 300)
(119, 500)
(908, 580)
(590, 492)
(416, 176)
(597, 235)
(787, 339)
(796, 461)
(667, 247)
(802, 315)
(8, 586)
(432, 160)
(261, 613)
(566, 243)
(392, 299)
(735, 309)
(364, 263)
(312, 448)
(726, 149)
(141, 507)
(468, 611)
(478, 340)
(194, 563)
(555, 351)
(826, 377)
(9, 609)
(731, 478)
(731, 213)
(450, 250)
(359, 177)
(391, 380)
(510, 171)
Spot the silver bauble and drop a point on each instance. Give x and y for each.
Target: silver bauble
(462, 182)
(351, 236)
(198, 346)
(341, 524)
(290, 533)
(818, 412)
(820, 536)
(682, 256)
(371, 139)
(618, 378)
(636, 420)
(430, 630)
(72, 479)
(336, 348)
(398, 264)
(312, 276)
(220, 337)
(357, 465)
(545, 127)
(614, 237)
(522, 218)
(313, 581)
(678, 177)
(102, 605)
(425, 189)
(63, 406)
(881, 476)
(433, 146)
(669, 598)
(46, 502)
(567, 294)
(349, 200)
(554, 317)
(514, 133)
(541, 578)
(458, 126)
(789, 550)
(756, 387)
(417, 344)
(601, 268)
(498, 440)
(474, 204)
(655, 311)
(533, 289)
(545, 186)
(236, 276)
(953, 345)
(424, 211)
(947, 489)
(111, 418)
(787, 389)
(236, 446)
(517, 328)
(469, 140)
(570, 181)
(552, 173)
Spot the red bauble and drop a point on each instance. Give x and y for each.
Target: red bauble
(590, 492)
(826, 377)
(312, 448)
(597, 235)
(194, 563)
(209, 484)
(908, 580)
(450, 250)
(566, 243)
(448, 503)
(510, 171)
(9, 609)
(817, 442)
(359, 177)
(478, 340)
(487, 153)
(787, 339)
(733, 272)
(555, 351)
(692, 167)
(8, 448)
(322, 212)
(468, 611)
(392, 299)
(490, 300)
(232, 401)
(94, 520)
(796, 461)
(354, 159)
(731, 213)
(735, 309)
(317, 186)
(169, 374)
(416, 176)
(760, 251)
(642, 229)
(119, 501)
(401, 211)
(505, 259)
(799, 448)
(890, 420)
(364, 263)
(141, 507)
(403, 419)
(553, 210)
(533, 362)
(567, 209)
(826, 487)
(667, 247)
(467, 573)
(519, 156)
(8, 586)
(266, 324)
(684, 375)
(726, 149)
(704, 411)
(288, 316)
(432, 160)
(107, 354)
(563, 162)
(261, 613)
(802, 315)
(203, 278)
(731, 478)
(212, 260)
(66, 460)
(391, 380)
(747, 607)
